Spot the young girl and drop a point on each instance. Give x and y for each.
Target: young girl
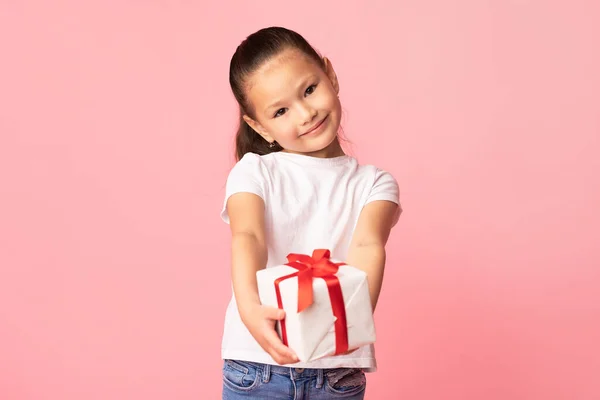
(294, 190)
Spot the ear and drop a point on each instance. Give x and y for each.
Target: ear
(258, 128)
(331, 74)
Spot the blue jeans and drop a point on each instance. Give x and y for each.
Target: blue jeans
(247, 380)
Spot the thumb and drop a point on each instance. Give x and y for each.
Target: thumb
(274, 313)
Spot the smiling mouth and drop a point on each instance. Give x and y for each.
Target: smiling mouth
(314, 128)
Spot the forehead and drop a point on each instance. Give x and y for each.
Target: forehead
(279, 75)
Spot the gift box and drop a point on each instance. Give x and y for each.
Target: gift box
(327, 304)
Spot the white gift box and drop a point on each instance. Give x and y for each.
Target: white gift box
(311, 333)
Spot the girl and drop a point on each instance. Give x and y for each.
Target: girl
(294, 190)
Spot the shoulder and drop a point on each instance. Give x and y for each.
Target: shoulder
(249, 174)
(376, 175)
(383, 199)
(384, 176)
(249, 160)
(249, 165)
(382, 184)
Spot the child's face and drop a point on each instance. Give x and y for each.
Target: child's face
(295, 103)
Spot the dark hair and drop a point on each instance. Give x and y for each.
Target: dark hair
(253, 52)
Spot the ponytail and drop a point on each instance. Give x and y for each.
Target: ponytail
(247, 140)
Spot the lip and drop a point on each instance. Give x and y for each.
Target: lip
(316, 128)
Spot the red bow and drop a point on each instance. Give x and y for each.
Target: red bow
(317, 266)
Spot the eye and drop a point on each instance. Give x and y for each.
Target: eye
(279, 113)
(310, 90)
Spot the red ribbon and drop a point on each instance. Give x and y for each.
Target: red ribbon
(317, 266)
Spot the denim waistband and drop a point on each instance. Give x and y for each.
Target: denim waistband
(266, 370)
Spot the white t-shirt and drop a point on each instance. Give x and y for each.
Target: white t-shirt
(310, 203)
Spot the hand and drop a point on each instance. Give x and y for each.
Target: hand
(260, 321)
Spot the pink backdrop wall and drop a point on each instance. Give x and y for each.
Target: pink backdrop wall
(116, 127)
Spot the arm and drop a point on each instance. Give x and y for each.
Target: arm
(248, 248)
(248, 255)
(367, 249)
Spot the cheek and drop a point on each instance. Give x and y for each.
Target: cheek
(329, 101)
(336, 112)
(283, 131)
(288, 132)
(337, 105)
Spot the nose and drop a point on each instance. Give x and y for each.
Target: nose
(307, 113)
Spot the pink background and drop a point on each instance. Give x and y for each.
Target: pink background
(116, 126)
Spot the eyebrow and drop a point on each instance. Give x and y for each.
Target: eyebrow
(303, 83)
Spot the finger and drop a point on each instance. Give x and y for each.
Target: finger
(277, 358)
(281, 360)
(277, 346)
(274, 313)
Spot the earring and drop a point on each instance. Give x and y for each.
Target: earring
(272, 144)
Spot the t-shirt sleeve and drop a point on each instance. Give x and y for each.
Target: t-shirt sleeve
(385, 187)
(247, 176)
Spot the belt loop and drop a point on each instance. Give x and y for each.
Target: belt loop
(266, 373)
(320, 378)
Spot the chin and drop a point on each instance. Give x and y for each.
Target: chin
(321, 145)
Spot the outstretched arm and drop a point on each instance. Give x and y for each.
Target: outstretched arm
(248, 255)
(367, 249)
